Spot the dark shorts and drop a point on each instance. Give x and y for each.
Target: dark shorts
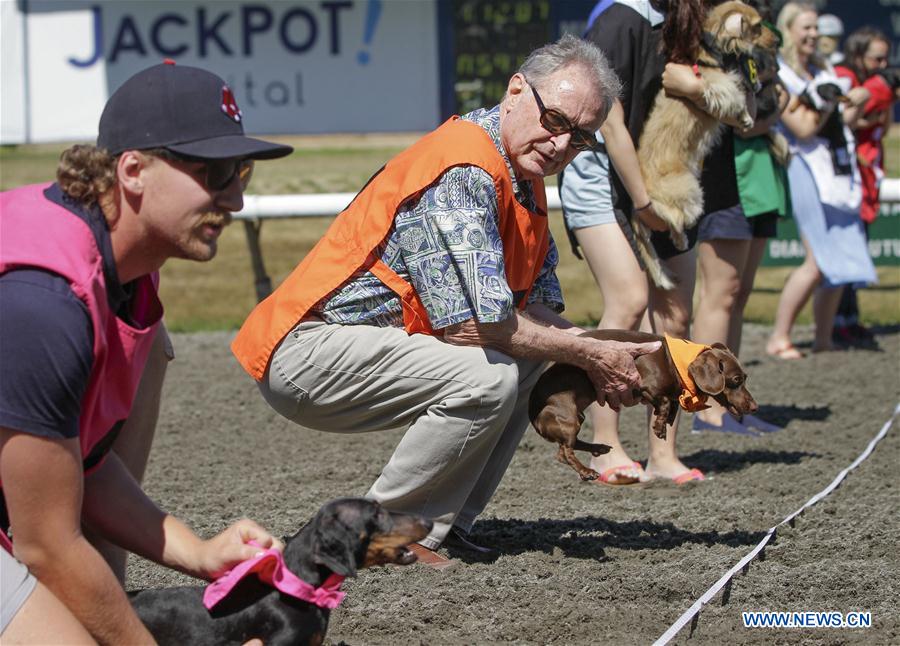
(732, 224)
(664, 247)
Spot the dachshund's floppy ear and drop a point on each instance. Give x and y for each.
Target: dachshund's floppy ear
(335, 547)
(706, 373)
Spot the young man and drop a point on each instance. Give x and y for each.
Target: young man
(79, 263)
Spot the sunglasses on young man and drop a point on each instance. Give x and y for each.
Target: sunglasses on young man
(218, 173)
(555, 122)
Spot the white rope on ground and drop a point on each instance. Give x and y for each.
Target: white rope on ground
(692, 612)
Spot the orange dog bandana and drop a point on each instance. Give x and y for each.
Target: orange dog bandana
(683, 353)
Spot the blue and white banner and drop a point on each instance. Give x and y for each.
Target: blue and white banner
(295, 66)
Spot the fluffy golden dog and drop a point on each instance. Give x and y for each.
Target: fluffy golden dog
(678, 135)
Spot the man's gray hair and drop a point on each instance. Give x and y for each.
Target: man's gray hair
(570, 50)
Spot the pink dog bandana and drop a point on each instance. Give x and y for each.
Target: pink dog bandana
(270, 568)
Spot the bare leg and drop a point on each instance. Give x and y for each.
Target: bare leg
(721, 264)
(670, 313)
(624, 290)
(825, 306)
(44, 619)
(754, 257)
(797, 290)
(136, 437)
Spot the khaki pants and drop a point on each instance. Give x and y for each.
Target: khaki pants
(465, 408)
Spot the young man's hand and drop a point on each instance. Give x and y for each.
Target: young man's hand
(222, 552)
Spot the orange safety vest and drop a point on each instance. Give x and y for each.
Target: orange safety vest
(351, 243)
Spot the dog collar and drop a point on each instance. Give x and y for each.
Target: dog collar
(683, 353)
(739, 62)
(269, 567)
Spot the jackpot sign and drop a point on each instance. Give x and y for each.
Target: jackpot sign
(295, 66)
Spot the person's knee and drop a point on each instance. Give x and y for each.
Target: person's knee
(728, 295)
(497, 387)
(677, 323)
(810, 268)
(625, 311)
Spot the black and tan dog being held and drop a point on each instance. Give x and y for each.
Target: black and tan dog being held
(346, 535)
(678, 374)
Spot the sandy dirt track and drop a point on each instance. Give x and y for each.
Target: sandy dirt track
(579, 563)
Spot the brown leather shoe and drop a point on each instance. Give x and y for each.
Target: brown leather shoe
(431, 558)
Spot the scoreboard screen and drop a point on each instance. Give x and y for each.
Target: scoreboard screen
(491, 40)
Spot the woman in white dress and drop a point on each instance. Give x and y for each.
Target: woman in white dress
(824, 183)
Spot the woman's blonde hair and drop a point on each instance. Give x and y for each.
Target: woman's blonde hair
(786, 17)
(86, 173)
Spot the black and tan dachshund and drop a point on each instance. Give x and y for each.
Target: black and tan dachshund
(346, 535)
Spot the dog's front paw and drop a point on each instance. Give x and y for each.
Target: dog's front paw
(588, 475)
(659, 421)
(679, 239)
(746, 121)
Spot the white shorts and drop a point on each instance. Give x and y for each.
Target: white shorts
(585, 191)
(16, 585)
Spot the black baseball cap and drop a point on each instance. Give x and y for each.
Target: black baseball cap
(184, 109)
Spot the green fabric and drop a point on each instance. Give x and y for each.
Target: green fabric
(762, 182)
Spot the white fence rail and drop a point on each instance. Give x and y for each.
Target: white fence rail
(316, 205)
(258, 208)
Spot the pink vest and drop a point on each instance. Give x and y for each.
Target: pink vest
(35, 232)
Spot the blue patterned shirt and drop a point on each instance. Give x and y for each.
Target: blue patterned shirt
(448, 246)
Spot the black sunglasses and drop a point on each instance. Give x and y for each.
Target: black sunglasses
(557, 123)
(218, 172)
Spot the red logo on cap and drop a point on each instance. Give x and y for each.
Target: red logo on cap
(229, 105)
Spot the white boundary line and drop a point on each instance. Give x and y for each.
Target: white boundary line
(691, 612)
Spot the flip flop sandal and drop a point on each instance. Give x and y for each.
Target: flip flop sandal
(694, 475)
(788, 352)
(605, 478)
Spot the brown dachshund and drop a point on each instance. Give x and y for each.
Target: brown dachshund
(557, 403)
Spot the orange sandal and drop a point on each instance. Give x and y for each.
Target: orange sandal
(616, 476)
